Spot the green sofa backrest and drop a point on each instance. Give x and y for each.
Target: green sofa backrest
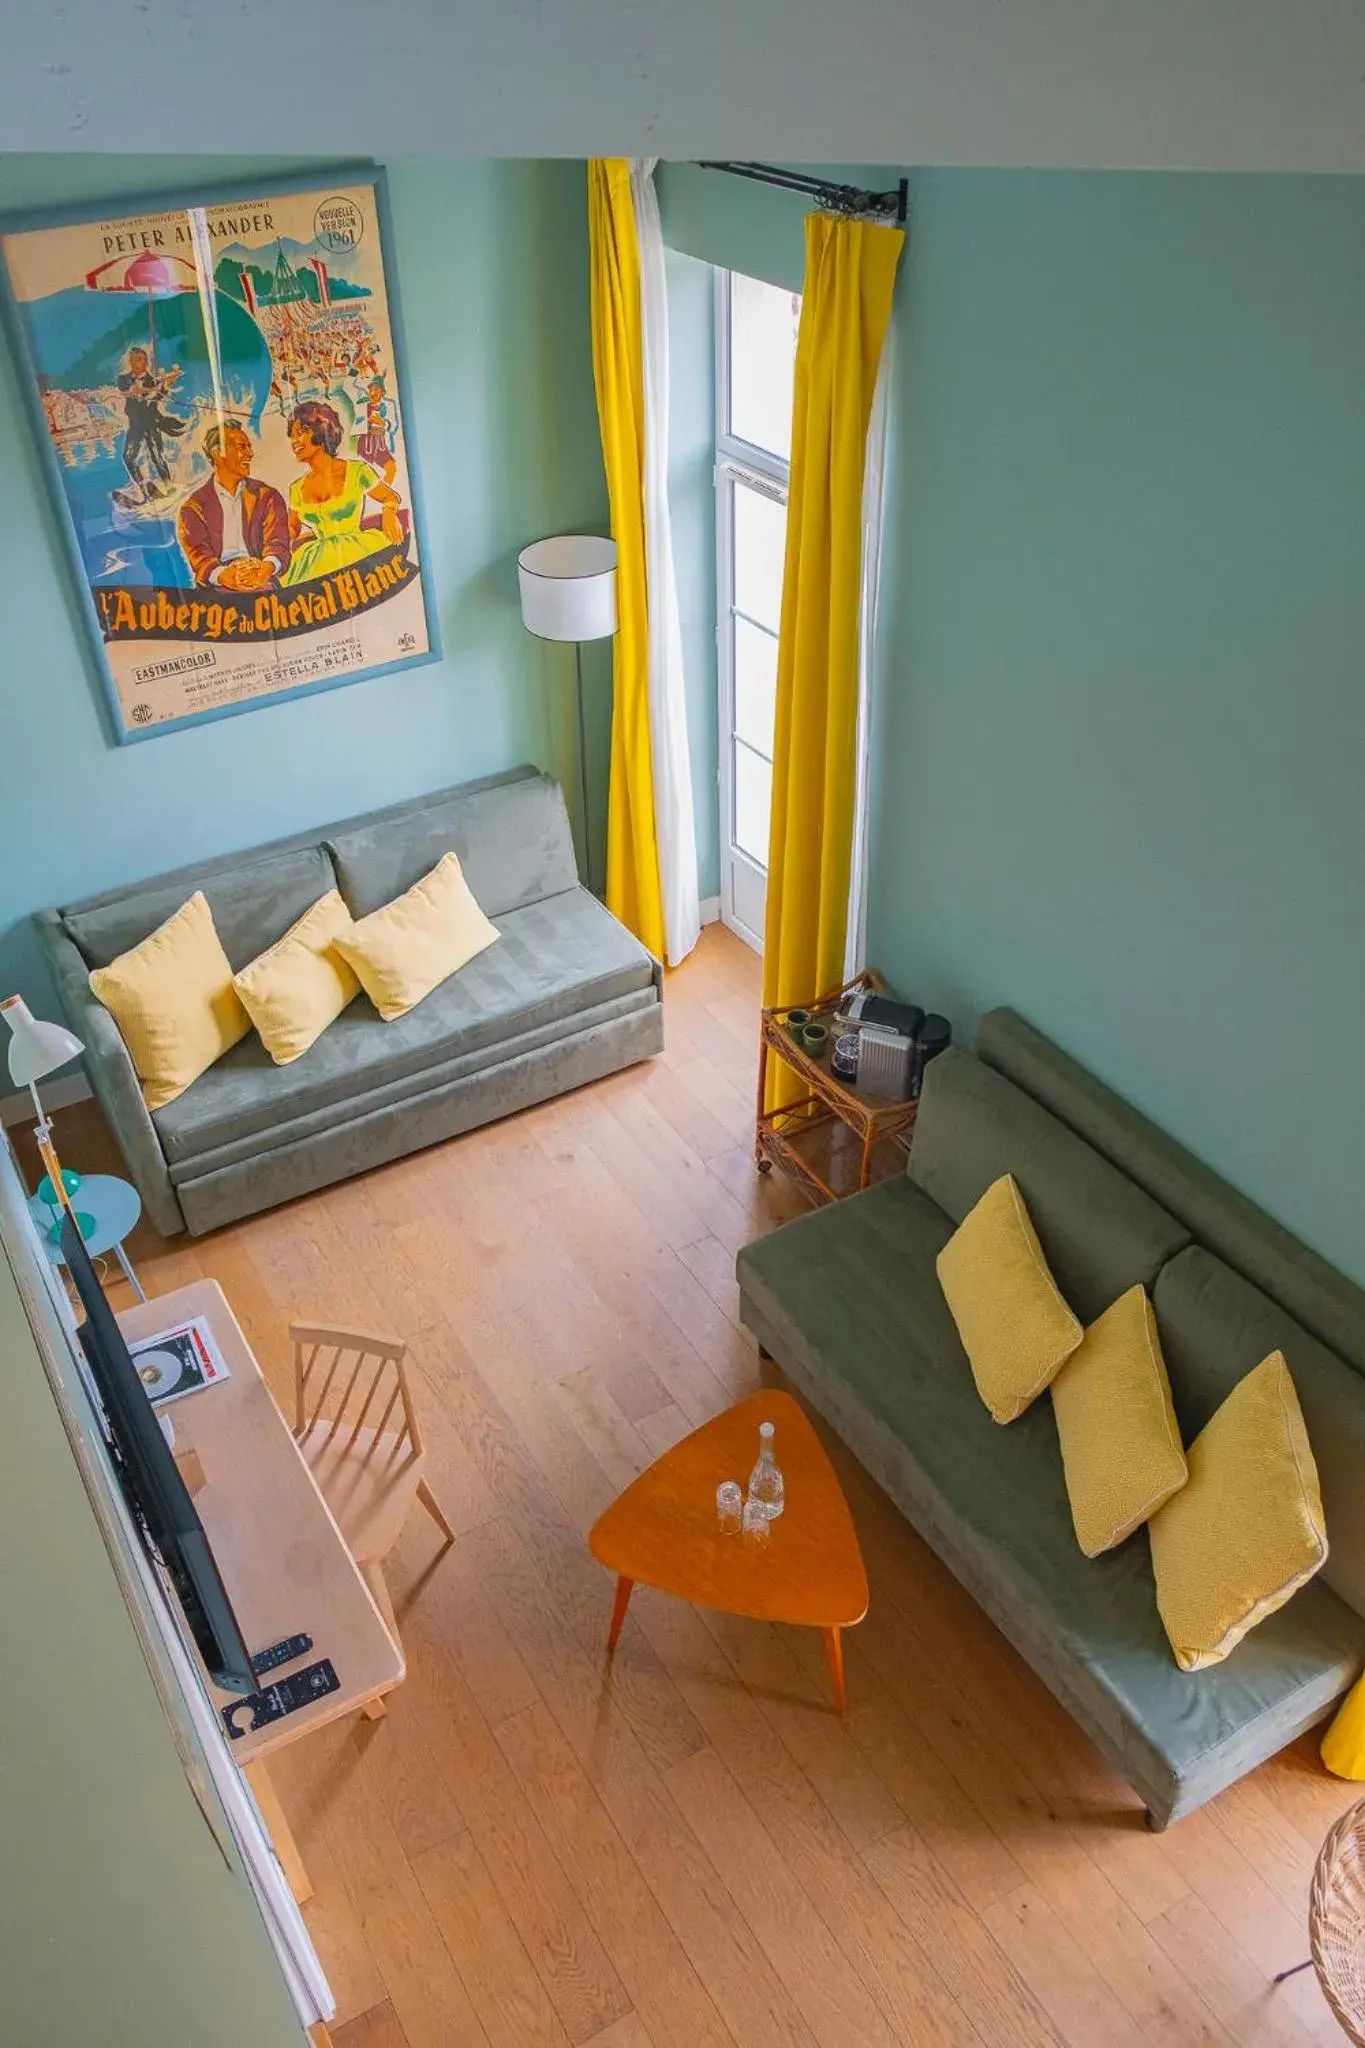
(1243, 1286)
(512, 838)
(254, 901)
(1100, 1234)
(1324, 1301)
(511, 832)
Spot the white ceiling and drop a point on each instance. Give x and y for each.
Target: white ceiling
(1170, 84)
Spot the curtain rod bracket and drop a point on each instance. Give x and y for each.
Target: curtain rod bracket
(849, 200)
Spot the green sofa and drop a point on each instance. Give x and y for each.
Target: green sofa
(565, 996)
(847, 1301)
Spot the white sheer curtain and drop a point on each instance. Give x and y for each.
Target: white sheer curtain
(672, 761)
(874, 480)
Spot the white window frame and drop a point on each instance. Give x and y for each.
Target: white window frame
(737, 462)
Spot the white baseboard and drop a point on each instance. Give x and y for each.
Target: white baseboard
(18, 1109)
(710, 910)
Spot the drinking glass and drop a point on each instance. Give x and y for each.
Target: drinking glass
(729, 1506)
(757, 1523)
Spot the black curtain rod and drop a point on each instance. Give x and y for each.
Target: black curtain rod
(848, 199)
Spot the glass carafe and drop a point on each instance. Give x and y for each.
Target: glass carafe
(765, 1481)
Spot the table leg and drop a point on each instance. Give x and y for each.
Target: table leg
(279, 1830)
(129, 1275)
(834, 1650)
(762, 1097)
(869, 1146)
(618, 1612)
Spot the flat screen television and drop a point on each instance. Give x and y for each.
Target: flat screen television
(157, 1496)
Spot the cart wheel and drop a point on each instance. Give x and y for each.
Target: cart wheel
(764, 1165)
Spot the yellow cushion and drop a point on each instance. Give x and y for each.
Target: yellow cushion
(1247, 1531)
(298, 986)
(1121, 1447)
(173, 1000)
(405, 950)
(1014, 1325)
(1343, 1746)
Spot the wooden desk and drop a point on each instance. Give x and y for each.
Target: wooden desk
(283, 1560)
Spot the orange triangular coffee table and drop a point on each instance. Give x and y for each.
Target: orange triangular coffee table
(663, 1530)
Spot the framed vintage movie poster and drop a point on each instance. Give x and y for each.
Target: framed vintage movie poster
(218, 386)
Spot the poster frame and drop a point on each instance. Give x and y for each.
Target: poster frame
(319, 177)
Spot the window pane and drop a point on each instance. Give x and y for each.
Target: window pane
(753, 802)
(760, 543)
(762, 362)
(755, 686)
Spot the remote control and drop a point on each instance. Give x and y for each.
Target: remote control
(286, 1696)
(280, 1653)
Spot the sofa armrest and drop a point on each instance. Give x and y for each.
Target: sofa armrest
(112, 1076)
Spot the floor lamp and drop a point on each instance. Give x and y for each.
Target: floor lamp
(568, 592)
(37, 1049)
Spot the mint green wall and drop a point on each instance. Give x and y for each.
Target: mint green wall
(1121, 736)
(491, 261)
(1124, 738)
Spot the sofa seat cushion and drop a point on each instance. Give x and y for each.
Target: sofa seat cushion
(847, 1299)
(554, 961)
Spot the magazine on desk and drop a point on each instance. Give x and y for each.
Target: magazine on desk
(177, 1361)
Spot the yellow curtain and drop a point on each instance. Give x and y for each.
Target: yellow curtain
(633, 889)
(845, 311)
(1343, 1746)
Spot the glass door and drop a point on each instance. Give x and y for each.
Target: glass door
(756, 351)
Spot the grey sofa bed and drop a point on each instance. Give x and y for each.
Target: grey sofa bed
(847, 1301)
(565, 996)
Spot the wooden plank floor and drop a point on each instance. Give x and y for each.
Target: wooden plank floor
(697, 1851)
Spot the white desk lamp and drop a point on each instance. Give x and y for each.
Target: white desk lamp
(568, 592)
(37, 1049)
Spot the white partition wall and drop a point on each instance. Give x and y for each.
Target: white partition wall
(142, 1902)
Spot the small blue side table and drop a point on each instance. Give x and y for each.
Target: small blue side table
(113, 1206)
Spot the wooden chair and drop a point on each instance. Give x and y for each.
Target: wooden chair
(355, 1424)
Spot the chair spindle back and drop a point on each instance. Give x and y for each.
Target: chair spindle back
(352, 1381)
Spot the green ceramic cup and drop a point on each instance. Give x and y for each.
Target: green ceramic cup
(815, 1038)
(797, 1020)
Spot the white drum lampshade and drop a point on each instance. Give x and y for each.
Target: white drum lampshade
(568, 587)
(568, 592)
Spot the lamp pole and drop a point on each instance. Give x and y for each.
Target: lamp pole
(583, 762)
(568, 592)
(36, 1050)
